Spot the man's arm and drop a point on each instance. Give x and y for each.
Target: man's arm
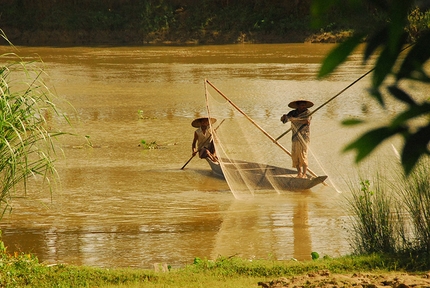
(193, 146)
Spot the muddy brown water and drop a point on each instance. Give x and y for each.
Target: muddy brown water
(120, 205)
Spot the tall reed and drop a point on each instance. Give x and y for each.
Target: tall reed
(26, 134)
(373, 224)
(415, 194)
(393, 217)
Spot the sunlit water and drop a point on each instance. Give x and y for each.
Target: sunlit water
(121, 205)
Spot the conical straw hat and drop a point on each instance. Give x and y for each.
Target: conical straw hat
(197, 122)
(294, 105)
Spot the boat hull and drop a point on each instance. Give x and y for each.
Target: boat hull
(280, 178)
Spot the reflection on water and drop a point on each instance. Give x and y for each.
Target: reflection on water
(121, 205)
(302, 237)
(280, 227)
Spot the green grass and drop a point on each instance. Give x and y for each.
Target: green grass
(373, 226)
(19, 270)
(414, 192)
(393, 217)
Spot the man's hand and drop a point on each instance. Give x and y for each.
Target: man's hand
(284, 118)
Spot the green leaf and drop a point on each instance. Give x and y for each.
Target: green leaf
(401, 95)
(398, 20)
(412, 112)
(415, 59)
(339, 54)
(376, 40)
(383, 66)
(415, 146)
(367, 142)
(351, 122)
(386, 61)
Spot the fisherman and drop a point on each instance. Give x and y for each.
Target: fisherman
(300, 120)
(203, 141)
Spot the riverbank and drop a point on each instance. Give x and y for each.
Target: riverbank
(186, 22)
(21, 270)
(354, 279)
(136, 38)
(172, 22)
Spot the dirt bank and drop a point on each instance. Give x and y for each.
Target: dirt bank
(368, 280)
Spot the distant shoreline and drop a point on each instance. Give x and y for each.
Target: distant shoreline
(136, 38)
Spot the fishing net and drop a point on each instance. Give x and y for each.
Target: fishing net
(250, 158)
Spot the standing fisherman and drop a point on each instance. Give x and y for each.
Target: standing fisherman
(203, 142)
(300, 121)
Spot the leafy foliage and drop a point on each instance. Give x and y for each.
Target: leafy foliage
(390, 40)
(26, 140)
(149, 145)
(203, 20)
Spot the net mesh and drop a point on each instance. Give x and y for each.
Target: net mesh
(250, 158)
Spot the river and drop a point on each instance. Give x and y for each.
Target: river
(119, 205)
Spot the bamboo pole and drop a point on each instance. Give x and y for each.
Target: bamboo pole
(325, 103)
(256, 125)
(182, 168)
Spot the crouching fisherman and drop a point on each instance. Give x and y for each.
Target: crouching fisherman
(203, 141)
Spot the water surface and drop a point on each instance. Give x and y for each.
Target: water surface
(121, 205)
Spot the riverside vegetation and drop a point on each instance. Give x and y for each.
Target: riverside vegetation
(127, 22)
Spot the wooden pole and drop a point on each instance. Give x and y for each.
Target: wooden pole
(325, 103)
(343, 90)
(188, 161)
(203, 143)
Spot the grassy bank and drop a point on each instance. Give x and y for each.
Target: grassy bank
(24, 270)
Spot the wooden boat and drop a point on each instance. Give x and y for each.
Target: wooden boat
(266, 176)
(242, 138)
